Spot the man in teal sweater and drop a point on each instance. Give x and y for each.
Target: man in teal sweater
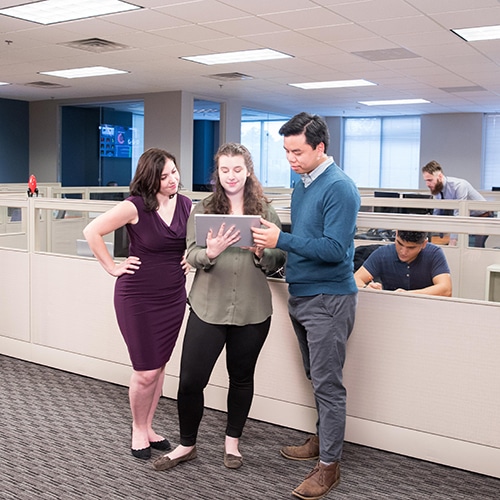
(323, 293)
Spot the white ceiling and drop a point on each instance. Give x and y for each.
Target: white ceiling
(325, 38)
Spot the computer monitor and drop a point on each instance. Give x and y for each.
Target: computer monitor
(415, 210)
(121, 242)
(386, 194)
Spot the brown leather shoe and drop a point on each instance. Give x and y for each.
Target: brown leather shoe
(307, 451)
(164, 462)
(232, 461)
(319, 482)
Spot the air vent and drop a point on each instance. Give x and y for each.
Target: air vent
(45, 85)
(385, 54)
(467, 88)
(95, 45)
(227, 77)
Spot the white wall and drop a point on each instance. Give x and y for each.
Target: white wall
(455, 141)
(44, 157)
(230, 123)
(335, 147)
(168, 124)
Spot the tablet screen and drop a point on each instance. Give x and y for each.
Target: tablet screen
(204, 222)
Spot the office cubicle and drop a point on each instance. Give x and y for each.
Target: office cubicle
(413, 362)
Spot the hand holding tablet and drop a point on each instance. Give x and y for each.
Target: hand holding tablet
(203, 223)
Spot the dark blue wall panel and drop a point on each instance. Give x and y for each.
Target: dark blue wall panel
(14, 141)
(81, 164)
(79, 146)
(205, 145)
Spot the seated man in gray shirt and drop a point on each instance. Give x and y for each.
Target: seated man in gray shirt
(411, 264)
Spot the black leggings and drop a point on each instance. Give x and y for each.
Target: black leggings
(203, 343)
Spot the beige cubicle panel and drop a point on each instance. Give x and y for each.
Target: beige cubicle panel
(421, 372)
(15, 312)
(422, 378)
(492, 288)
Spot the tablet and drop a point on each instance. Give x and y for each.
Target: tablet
(204, 222)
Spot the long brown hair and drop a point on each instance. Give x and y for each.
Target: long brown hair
(147, 178)
(253, 195)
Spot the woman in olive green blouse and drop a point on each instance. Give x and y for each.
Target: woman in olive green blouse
(230, 304)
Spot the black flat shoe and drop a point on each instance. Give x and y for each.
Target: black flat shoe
(163, 445)
(143, 453)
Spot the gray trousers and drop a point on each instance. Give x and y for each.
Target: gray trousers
(323, 324)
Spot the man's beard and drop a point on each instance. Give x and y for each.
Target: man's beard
(437, 188)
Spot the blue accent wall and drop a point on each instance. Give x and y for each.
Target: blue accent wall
(81, 164)
(79, 146)
(205, 145)
(14, 141)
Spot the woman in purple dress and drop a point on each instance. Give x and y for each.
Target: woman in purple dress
(150, 293)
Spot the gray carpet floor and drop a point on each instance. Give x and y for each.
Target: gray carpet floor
(67, 437)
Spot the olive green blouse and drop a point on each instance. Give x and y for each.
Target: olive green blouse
(231, 289)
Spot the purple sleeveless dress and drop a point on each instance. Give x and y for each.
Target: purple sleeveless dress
(150, 304)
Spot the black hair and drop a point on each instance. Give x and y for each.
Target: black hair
(312, 126)
(413, 236)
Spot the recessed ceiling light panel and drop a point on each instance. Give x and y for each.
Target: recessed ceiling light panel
(84, 72)
(477, 34)
(394, 101)
(237, 57)
(58, 11)
(333, 84)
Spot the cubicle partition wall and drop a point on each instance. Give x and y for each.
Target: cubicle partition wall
(469, 265)
(421, 372)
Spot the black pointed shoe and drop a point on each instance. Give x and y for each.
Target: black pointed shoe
(143, 453)
(163, 445)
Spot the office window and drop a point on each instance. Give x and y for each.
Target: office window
(259, 133)
(382, 152)
(491, 167)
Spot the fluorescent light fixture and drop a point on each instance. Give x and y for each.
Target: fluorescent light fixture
(84, 72)
(394, 101)
(480, 33)
(4, 83)
(239, 56)
(332, 85)
(58, 11)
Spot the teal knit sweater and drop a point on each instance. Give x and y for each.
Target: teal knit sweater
(320, 246)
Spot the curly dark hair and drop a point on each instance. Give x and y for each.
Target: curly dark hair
(413, 236)
(147, 178)
(254, 199)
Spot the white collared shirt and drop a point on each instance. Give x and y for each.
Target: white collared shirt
(308, 179)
